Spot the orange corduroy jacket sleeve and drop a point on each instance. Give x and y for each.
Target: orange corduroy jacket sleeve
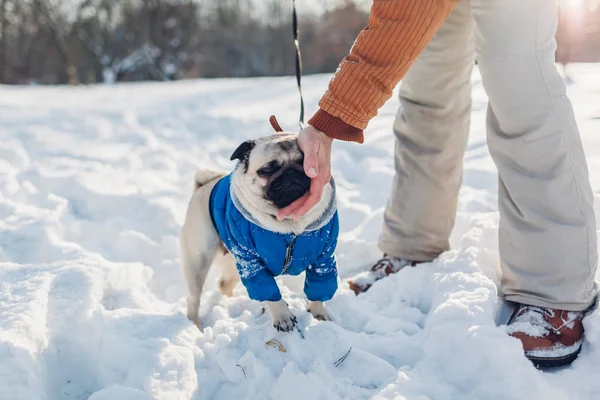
(397, 33)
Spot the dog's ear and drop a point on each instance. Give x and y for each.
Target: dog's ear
(275, 124)
(243, 150)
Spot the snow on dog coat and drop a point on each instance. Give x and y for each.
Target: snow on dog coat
(261, 255)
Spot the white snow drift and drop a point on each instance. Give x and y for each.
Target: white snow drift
(94, 182)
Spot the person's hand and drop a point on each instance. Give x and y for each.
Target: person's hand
(316, 147)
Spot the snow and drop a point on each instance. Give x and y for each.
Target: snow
(531, 320)
(94, 184)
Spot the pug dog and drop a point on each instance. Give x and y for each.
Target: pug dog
(232, 221)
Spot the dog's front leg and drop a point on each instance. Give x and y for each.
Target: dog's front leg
(282, 317)
(317, 309)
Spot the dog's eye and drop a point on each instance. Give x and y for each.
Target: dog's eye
(268, 169)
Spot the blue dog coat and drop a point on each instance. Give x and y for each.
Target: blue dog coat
(261, 255)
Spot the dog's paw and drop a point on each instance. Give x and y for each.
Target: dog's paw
(285, 324)
(282, 317)
(320, 317)
(193, 305)
(196, 320)
(317, 309)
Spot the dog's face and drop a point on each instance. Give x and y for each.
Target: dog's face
(270, 172)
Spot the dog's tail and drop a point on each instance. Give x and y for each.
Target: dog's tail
(206, 175)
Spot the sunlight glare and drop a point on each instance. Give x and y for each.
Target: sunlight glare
(575, 3)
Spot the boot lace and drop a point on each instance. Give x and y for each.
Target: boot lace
(566, 318)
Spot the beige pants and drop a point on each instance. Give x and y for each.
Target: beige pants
(547, 223)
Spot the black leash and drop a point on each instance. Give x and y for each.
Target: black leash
(298, 61)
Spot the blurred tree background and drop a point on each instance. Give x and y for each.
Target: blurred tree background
(91, 41)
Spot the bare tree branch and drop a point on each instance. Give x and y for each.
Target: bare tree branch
(3, 41)
(59, 40)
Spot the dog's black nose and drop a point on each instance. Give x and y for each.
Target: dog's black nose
(289, 187)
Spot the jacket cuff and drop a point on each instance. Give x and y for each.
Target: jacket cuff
(335, 127)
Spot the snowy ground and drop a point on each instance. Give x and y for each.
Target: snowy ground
(94, 183)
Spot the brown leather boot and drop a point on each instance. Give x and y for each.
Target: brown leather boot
(382, 268)
(550, 338)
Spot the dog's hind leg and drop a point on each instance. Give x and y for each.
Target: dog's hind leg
(199, 243)
(195, 270)
(229, 274)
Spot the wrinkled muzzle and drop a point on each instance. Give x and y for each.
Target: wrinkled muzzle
(288, 187)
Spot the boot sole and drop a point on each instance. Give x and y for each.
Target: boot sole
(358, 289)
(544, 362)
